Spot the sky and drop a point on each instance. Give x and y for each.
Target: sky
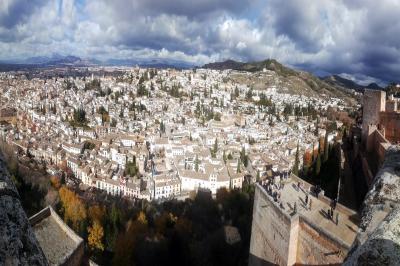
(359, 39)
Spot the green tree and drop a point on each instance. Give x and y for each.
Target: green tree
(215, 149)
(196, 164)
(295, 169)
(318, 165)
(243, 157)
(224, 156)
(237, 92)
(326, 147)
(238, 166)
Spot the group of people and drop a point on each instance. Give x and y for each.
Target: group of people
(273, 188)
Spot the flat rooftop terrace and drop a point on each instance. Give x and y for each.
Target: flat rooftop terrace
(289, 193)
(56, 239)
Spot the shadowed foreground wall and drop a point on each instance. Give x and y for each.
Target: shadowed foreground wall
(18, 244)
(378, 240)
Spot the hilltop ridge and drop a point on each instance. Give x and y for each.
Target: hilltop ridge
(294, 81)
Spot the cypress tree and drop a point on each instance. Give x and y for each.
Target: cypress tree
(326, 147)
(196, 164)
(318, 165)
(295, 169)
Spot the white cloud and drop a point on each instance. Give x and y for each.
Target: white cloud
(355, 37)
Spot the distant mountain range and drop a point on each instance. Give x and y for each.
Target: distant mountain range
(334, 81)
(70, 60)
(339, 81)
(329, 83)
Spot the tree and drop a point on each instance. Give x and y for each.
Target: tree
(316, 132)
(142, 218)
(295, 169)
(312, 152)
(87, 145)
(131, 169)
(55, 181)
(237, 93)
(73, 207)
(95, 238)
(80, 116)
(307, 161)
(318, 165)
(238, 166)
(249, 94)
(243, 157)
(96, 213)
(196, 164)
(326, 147)
(215, 149)
(162, 127)
(113, 123)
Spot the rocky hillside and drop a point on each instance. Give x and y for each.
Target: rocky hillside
(378, 241)
(347, 84)
(283, 78)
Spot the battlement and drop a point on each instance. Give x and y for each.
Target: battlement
(381, 113)
(60, 244)
(292, 223)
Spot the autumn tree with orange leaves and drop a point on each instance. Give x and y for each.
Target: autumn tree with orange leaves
(73, 208)
(95, 238)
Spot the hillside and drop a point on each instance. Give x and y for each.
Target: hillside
(269, 64)
(283, 78)
(343, 83)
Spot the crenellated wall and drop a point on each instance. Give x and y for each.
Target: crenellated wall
(278, 238)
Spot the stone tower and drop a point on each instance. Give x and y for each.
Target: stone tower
(374, 102)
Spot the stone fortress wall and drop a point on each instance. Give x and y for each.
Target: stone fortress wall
(270, 232)
(18, 244)
(380, 129)
(308, 241)
(390, 121)
(316, 247)
(44, 239)
(374, 102)
(279, 238)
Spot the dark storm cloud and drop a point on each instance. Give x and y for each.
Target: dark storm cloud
(193, 8)
(349, 37)
(14, 12)
(299, 22)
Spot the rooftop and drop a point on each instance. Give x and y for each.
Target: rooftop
(57, 240)
(291, 194)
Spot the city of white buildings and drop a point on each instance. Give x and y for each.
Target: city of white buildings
(159, 134)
